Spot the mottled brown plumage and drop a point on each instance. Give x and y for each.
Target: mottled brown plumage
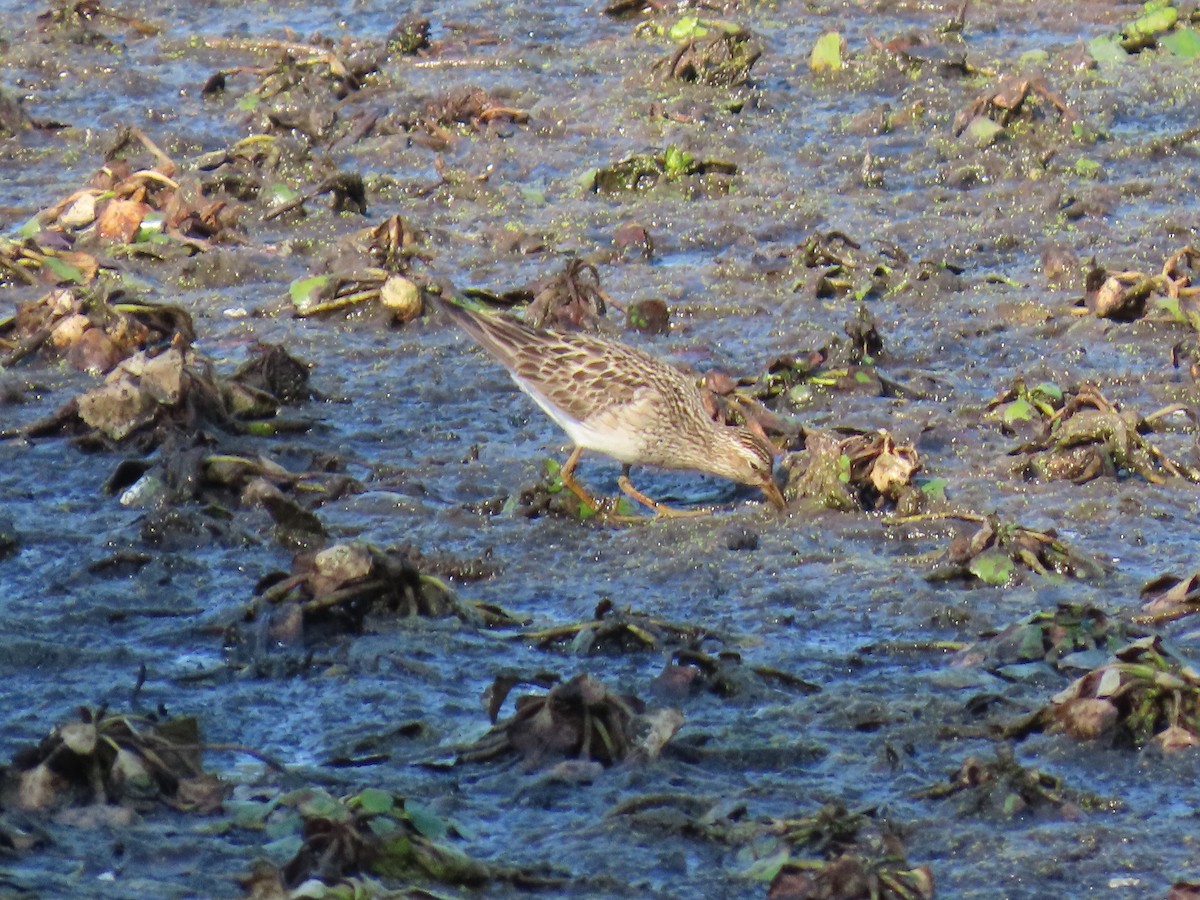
(622, 402)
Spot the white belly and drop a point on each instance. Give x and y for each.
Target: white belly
(602, 433)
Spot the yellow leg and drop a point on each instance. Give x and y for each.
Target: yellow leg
(660, 509)
(567, 475)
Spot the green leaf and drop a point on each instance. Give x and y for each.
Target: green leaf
(62, 271)
(284, 848)
(374, 801)
(933, 488)
(983, 132)
(305, 291)
(1048, 391)
(843, 464)
(799, 394)
(1156, 21)
(1182, 42)
(552, 474)
(320, 804)
(677, 162)
(1030, 642)
(1013, 804)
(247, 813)
(30, 228)
(425, 821)
(992, 567)
(1107, 50)
(152, 230)
(687, 28)
(1019, 410)
(279, 193)
(768, 867)
(625, 507)
(1087, 168)
(249, 102)
(1172, 307)
(827, 53)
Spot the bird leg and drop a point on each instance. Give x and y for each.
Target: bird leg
(566, 475)
(660, 509)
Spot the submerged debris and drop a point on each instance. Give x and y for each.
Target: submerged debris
(690, 670)
(346, 843)
(1061, 638)
(409, 36)
(644, 171)
(335, 589)
(152, 209)
(720, 59)
(849, 366)
(93, 329)
(615, 630)
(1088, 437)
(860, 472)
(834, 264)
(550, 497)
(473, 107)
(1147, 694)
(985, 117)
(45, 258)
(1127, 295)
(148, 397)
(113, 762)
(853, 862)
(578, 719)
(1169, 597)
(572, 300)
(185, 470)
(1020, 408)
(997, 553)
(1003, 788)
(884, 874)
(374, 266)
(944, 51)
(276, 372)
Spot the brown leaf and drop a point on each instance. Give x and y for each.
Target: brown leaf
(116, 409)
(119, 220)
(162, 377)
(343, 563)
(660, 726)
(68, 331)
(79, 737)
(203, 794)
(39, 788)
(894, 468)
(94, 352)
(1175, 738)
(1087, 718)
(97, 816)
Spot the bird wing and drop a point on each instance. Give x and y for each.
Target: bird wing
(578, 376)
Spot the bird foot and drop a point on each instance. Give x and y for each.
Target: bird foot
(660, 510)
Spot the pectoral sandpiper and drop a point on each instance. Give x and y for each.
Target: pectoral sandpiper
(622, 402)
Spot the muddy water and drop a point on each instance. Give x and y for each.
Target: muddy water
(435, 429)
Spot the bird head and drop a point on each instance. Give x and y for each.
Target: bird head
(752, 462)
